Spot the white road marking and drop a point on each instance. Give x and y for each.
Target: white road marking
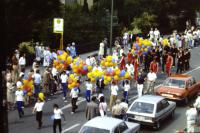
(70, 128)
(192, 70)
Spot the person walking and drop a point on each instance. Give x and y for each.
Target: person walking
(164, 59)
(88, 90)
(74, 94)
(126, 89)
(113, 97)
(46, 82)
(57, 118)
(64, 78)
(169, 63)
(102, 106)
(197, 106)
(37, 82)
(22, 62)
(179, 62)
(154, 66)
(151, 78)
(19, 95)
(191, 115)
(92, 109)
(140, 83)
(117, 110)
(38, 109)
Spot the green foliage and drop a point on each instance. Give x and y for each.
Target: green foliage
(144, 22)
(26, 47)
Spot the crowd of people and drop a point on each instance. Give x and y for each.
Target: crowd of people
(143, 69)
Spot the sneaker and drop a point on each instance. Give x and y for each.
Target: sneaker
(72, 113)
(48, 99)
(63, 98)
(23, 107)
(65, 101)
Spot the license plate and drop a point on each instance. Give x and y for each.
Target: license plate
(139, 118)
(167, 95)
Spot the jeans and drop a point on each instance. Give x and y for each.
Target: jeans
(64, 86)
(126, 96)
(73, 102)
(88, 95)
(19, 108)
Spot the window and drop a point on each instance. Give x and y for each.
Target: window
(123, 127)
(116, 130)
(159, 107)
(165, 103)
(87, 129)
(174, 83)
(142, 107)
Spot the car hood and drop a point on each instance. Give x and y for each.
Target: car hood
(171, 90)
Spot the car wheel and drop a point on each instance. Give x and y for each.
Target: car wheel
(186, 100)
(172, 114)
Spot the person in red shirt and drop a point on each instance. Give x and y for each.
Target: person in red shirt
(169, 63)
(122, 62)
(130, 56)
(136, 65)
(154, 66)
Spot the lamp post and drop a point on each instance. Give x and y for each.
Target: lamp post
(111, 26)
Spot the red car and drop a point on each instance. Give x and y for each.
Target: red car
(179, 87)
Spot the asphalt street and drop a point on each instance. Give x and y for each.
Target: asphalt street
(73, 123)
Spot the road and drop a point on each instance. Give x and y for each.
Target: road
(28, 124)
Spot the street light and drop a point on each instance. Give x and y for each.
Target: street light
(111, 26)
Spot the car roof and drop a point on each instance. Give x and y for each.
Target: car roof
(180, 76)
(149, 99)
(107, 123)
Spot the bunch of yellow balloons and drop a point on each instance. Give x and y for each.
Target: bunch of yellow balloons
(28, 86)
(165, 42)
(109, 61)
(63, 60)
(72, 81)
(80, 67)
(93, 75)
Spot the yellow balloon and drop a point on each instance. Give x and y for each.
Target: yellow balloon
(127, 75)
(116, 78)
(89, 75)
(71, 76)
(89, 68)
(69, 60)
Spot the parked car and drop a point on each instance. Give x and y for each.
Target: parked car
(109, 125)
(179, 88)
(150, 110)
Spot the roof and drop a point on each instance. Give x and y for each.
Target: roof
(181, 76)
(103, 122)
(149, 99)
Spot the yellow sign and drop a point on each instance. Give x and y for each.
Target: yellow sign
(58, 24)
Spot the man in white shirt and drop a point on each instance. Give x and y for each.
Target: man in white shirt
(156, 34)
(64, 79)
(88, 92)
(151, 78)
(197, 106)
(113, 97)
(38, 108)
(151, 34)
(19, 95)
(191, 115)
(74, 94)
(87, 61)
(22, 62)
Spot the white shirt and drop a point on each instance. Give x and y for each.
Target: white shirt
(57, 113)
(19, 95)
(54, 71)
(114, 89)
(63, 78)
(191, 115)
(151, 34)
(130, 69)
(88, 86)
(37, 78)
(39, 106)
(74, 93)
(87, 61)
(127, 87)
(103, 106)
(151, 76)
(121, 52)
(197, 103)
(22, 61)
(156, 34)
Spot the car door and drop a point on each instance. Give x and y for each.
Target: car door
(191, 87)
(159, 111)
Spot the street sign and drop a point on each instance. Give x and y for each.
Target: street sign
(58, 24)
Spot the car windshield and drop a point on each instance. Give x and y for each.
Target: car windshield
(87, 129)
(142, 107)
(174, 83)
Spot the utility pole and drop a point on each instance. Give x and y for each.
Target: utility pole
(111, 26)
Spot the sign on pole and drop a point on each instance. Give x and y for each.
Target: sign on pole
(58, 24)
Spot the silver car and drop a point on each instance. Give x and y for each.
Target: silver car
(109, 125)
(150, 110)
